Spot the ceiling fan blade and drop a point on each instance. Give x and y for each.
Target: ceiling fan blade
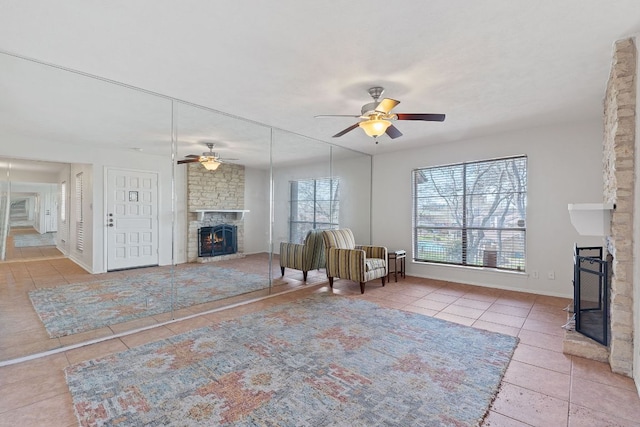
(425, 117)
(386, 105)
(188, 160)
(329, 116)
(393, 132)
(349, 129)
(193, 156)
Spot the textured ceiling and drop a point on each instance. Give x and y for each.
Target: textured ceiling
(491, 66)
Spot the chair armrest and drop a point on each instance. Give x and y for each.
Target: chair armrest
(289, 252)
(374, 251)
(346, 264)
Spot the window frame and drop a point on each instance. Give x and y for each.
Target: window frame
(469, 255)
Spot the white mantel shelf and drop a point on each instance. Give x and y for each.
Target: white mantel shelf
(239, 212)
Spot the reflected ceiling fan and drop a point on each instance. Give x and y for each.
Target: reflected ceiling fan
(377, 117)
(210, 160)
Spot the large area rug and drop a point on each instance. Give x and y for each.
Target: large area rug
(35, 239)
(69, 309)
(322, 361)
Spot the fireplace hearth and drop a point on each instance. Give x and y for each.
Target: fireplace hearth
(217, 240)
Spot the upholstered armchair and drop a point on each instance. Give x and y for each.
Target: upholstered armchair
(306, 256)
(346, 260)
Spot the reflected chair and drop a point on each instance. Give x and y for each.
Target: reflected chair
(307, 256)
(346, 260)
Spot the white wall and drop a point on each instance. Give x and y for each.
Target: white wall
(181, 216)
(564, 166)
(354, 173)
(256, 200)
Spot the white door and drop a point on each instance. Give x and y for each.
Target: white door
(131, 219)
(50, 212)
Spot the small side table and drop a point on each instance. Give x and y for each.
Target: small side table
(396, 257)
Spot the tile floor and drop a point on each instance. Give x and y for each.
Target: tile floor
(542, 386)
(29, 252)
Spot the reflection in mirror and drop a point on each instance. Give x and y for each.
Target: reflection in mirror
(304, 199)
(353, 170)
(33, 213)
(128, 212)
(82, 151)
(222, 191)
(5, 206)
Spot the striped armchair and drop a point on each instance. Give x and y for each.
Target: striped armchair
(346, 260)
(306, 256)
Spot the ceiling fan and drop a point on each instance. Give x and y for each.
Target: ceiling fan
(377, 117)
(210, 160)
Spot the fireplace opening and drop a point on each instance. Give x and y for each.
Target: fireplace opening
(217, 240)
(591, 293)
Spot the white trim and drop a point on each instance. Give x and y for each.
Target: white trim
(239, 212)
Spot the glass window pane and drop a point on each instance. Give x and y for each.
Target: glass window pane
(472, 213)
(439, 245)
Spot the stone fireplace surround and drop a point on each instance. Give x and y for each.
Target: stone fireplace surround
(619, 167)
(222, 189)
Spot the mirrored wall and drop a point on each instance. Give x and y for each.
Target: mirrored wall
(122, 209)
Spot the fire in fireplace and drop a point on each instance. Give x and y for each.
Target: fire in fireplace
(217, 240)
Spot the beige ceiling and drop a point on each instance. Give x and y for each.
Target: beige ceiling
(491, 66)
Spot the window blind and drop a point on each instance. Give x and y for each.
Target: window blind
(471, 213)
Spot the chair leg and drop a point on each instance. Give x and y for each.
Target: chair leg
(362, 287)
(282, 269)
(304, 275)
(331, 282)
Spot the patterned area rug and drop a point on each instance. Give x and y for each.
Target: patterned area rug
(323, 361)
(25, 240)
(69, 309)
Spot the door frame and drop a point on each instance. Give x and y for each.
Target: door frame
(105, 211)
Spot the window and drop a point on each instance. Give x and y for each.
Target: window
(63, 201)
(79, 213)
(471, 213)
(314, 204)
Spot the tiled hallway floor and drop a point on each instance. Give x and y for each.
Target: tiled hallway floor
(542, 386)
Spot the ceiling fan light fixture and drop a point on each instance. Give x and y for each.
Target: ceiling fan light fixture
(210, 164)
(374, 127)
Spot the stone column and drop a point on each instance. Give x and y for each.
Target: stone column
(619, 188)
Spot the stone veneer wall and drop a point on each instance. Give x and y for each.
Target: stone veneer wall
(619, 183)
(219, 189)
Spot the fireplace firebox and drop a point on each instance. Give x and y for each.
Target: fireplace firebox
(591, 293)
(217, 240)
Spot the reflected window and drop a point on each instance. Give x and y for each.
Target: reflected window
(79, 213)
(471, 213)
(314, 204)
